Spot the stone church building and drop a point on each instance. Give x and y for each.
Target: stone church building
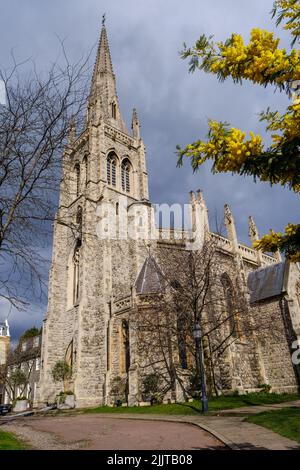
(106, 264)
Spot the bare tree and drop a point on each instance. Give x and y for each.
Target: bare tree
(193, 293)
(34, 128)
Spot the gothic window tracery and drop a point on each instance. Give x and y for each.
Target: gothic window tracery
(77, 172)
(111, 169)
(79, 221)
(125, 347)
(85, 163)
(125, 173)
(76, 273)
(69, 355)
(230, 299)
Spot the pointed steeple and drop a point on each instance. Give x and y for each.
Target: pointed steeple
(103, 101)
(103, 63)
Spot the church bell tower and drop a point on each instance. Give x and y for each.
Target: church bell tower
(101, 164)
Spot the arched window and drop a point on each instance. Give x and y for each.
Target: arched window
(108, 347)
(125, 173)
(76, 273)
(85, 163)
(77, 176)
(230, 299)
(79, 221)
(125, 347)
(114, 110)
(69, 355)
(111, 169)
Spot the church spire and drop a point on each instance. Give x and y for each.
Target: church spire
(103, 102)
(103, 63)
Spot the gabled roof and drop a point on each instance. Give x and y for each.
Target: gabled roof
(150, 279)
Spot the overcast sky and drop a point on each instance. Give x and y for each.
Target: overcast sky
(145, 37)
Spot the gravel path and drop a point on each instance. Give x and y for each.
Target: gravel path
(40, 440)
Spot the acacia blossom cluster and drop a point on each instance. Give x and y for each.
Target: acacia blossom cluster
(262, 62)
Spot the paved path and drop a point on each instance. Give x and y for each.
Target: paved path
(233, 431)
(84, 431)
(253, 410)
(129, 431)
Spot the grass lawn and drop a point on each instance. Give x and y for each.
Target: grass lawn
(215, 404)
(9, 442)
(285, 422)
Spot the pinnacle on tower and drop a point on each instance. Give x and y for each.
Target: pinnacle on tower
(135, 125)
(253, 231)
(230, 227)
(199, 218)
(254, 236)
(72, 131)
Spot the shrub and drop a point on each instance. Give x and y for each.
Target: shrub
(18, 378)
(151, 388)
(61, 371)
(118, 388)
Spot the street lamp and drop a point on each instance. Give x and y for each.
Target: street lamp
(199, 357)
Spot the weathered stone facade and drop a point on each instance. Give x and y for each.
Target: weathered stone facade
(95, 265)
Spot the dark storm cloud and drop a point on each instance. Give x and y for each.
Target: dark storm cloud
(145, 37)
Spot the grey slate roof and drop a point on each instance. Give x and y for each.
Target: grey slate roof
(267, 282)
(150, 278)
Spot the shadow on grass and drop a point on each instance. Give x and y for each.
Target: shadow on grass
(188, 405)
